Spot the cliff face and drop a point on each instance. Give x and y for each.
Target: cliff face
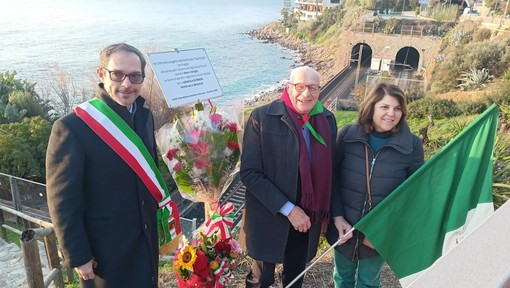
(316, 56)
(319, 57)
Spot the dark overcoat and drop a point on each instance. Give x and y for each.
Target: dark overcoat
(98, 205)
(270, 172)
(389, 167)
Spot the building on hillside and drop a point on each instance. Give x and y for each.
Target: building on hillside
(310, 9)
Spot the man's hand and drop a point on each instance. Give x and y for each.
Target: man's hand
(343, 227)
(299, 219)
(86, 271)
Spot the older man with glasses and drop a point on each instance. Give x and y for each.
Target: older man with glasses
(286, 167)
(103, 213)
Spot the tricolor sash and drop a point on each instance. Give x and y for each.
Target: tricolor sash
(110, 127)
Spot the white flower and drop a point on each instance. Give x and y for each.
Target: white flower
(227, 152)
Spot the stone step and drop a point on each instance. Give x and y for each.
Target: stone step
(12, 269)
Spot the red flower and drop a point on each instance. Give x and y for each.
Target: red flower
(201, 267)
(195, 281)
(232, 127)
(177, 167)
(171, 153)
(216, 118)
(222, 247)
(233, 145)
(201, 163)
(201, 148)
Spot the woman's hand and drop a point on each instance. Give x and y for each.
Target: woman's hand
(343, 227)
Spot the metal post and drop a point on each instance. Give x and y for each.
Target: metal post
(359, 65)
(193, 225)
(504, 13)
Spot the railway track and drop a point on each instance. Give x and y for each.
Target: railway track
(233, 194)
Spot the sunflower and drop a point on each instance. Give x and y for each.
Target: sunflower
(186, 258)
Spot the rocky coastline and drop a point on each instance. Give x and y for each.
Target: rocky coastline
(316, 56)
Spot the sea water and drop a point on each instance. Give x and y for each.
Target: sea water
(36, 36)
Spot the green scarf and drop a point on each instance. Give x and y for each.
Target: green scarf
(305, 118)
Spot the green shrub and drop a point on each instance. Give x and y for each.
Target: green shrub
(506, 76)
(444, 12)
(501, 96)
(475, 79)
(415, 93)
(438, 109)
(471, 107)
(501, 175)
(462, 58)
(482, 34)
(392, 26)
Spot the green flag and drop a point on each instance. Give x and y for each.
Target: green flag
(439, 205)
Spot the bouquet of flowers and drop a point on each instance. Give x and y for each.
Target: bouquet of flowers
(202, 150)
(208, 261)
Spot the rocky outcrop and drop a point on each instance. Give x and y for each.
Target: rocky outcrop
(316, 56)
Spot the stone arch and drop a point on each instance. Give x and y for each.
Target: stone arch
(366, 53)
(407, 57)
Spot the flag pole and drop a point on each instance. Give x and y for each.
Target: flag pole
(319, 258)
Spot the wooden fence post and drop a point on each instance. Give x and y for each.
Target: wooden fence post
(32, 261)
(50, 242)
(2, 222)
(16, 201)
(69, 272)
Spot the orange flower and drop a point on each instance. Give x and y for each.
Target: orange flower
(214, 264)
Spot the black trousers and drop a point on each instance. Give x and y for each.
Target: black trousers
(294, 262)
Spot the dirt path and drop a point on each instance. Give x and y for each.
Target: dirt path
(320, 275)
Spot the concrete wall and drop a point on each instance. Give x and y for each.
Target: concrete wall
(481, 260)
(387, 46)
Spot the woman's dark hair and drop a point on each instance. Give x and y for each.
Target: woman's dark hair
(367, 107)
(106, 54)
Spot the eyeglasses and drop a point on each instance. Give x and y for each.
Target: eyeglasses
(300, 87)
(117, 76)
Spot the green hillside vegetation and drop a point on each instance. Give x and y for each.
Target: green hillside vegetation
(473, 65)
(471, 61)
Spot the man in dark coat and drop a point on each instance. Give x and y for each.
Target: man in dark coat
(104, 216)
(287, 170)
